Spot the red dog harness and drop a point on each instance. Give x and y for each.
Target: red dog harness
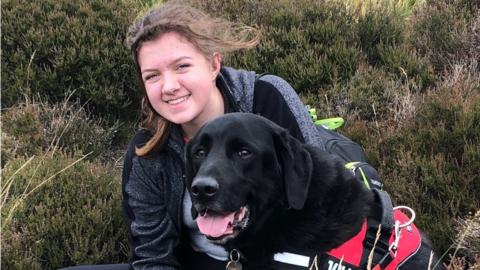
(393, 248)
(408, 244)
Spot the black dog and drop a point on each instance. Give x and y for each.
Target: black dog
(257, 190)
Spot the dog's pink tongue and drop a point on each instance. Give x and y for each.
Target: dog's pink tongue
(215, 225)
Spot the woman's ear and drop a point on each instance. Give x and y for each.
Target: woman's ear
(216, 64)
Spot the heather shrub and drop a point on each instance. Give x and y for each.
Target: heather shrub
(53, 47)
(57, 207)
(447, 32)
(315, 45)
(432, 162)
(461, 263)
(370, 93)
(406, 65)
(370, 96)
(34, 126)
(382, 35)
(60, 210)
(310, 44)
(379, 28)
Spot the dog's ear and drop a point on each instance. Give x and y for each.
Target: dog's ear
(297, 167)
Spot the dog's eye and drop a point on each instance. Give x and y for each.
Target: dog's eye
(244, 153)
(200, 153)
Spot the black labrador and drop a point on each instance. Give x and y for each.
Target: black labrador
(257, 190)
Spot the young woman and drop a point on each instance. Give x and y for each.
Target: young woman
(178, 51)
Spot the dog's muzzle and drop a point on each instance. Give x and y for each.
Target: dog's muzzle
(221, 227)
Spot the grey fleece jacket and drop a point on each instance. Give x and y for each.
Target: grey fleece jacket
(153, 187)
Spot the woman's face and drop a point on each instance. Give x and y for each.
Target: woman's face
(180, 80)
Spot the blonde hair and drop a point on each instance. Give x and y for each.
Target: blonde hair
(209, 35)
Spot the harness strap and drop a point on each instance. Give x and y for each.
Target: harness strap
(386, 218)
(383, 219)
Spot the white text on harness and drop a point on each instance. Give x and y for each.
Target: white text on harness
(335, 266)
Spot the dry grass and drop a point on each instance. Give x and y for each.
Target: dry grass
(401, 7)
(468, 237)
(14, 202)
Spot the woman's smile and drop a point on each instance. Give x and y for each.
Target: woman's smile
(178, 100)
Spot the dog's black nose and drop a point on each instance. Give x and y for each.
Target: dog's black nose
(204, 187)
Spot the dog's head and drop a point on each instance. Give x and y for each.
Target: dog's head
(237, 166)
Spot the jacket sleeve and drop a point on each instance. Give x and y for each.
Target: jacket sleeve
(276, 100)
(152, 232)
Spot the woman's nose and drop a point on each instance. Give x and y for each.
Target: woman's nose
(170, 84)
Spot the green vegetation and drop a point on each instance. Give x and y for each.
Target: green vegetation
(33, 127)
(62, 210)
(60, 199)
(404, 74)
(56, 47)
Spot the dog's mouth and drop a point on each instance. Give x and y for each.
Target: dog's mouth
(221, 227)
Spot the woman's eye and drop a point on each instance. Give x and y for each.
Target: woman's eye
(200, 153)
(244, 153)
(150, 77)
(182, 66)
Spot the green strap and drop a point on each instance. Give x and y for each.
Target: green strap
(353, 166)
(329, 123)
